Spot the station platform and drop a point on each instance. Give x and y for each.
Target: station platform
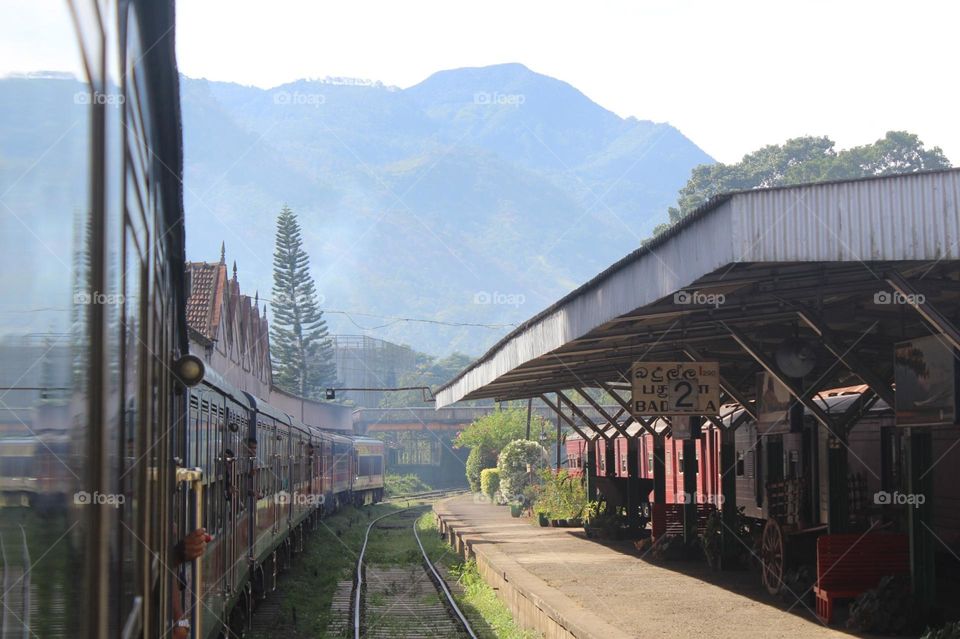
(562, 584)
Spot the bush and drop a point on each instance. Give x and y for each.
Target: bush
(478, 459)
(489, 482)
(394, 484)
(949, 631)
(561, 496)
(514, 460)
(887, 609)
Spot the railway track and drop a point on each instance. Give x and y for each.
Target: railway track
(410, 601)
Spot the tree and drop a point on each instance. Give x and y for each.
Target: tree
(301, 350)
(487, 436)
(804, 160)
(431, 372)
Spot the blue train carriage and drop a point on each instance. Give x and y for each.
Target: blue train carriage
(369, 469)
(305, 500)
(270, 480)
(219, 424)
(338, 474)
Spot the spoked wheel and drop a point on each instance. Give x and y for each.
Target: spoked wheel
(772, 554)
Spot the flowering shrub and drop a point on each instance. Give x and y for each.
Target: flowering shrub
(490, 482)
(518, 464)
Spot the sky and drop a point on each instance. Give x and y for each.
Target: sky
(732, 75)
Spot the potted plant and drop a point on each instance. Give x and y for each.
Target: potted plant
(601, 522)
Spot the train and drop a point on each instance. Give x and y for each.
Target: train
(785, 508)
(267, 480)
(112, 449)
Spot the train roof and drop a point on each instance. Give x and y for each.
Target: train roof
(215, 380)
(262, 406)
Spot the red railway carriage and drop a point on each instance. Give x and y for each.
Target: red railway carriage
(708, 460)
(790, 507)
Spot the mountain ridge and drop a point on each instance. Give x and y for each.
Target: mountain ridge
(478, 195)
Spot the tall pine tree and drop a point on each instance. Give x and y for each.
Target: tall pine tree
(301, 351)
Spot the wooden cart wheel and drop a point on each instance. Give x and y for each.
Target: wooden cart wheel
(772, 555)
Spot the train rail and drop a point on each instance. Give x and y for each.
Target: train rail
(426, 495)
(401, 598)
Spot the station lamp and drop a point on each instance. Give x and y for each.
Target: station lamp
(189, 370)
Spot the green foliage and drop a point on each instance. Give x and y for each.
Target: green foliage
(494, 430)
(489, 482)
(430, 371)
(329, 557)
(890, 608)
(395, 484)
(802, 160)
(949, 631)
(478, 459)
(562, 496)
(597, 514)
(300, 346)
(486, 437)
(518, 463)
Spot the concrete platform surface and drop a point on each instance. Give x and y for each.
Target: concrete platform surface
(608, 590)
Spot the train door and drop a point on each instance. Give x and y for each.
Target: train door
(231, 496)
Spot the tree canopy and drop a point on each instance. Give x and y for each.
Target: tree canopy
(803, 160)
(430, 371)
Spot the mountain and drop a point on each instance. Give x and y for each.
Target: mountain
(478, 196)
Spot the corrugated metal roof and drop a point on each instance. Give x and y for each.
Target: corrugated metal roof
(912, 217)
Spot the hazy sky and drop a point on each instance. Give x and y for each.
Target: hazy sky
(731, 75)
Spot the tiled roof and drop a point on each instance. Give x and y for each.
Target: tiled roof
(206, 292)
(216, 300)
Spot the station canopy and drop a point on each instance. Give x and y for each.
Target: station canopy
(849, 268)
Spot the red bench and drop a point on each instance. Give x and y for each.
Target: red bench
(849, 565)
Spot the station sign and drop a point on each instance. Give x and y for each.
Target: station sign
(662, 389)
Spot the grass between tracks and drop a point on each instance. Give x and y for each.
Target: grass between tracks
(330, 554)
(488, 615)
